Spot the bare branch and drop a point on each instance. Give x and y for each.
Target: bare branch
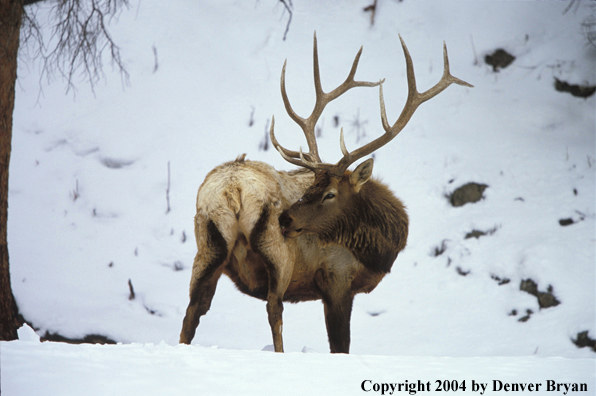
(168, 190)
(132, 295)
(288, 5)
(373, 10)
(79, 38)
(156, 63)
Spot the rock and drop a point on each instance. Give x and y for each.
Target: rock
(468, 193)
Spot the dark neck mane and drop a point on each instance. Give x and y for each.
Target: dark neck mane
(376, 230)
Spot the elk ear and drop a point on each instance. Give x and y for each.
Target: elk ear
(361, 174)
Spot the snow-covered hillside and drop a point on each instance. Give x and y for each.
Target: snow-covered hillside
(90, 172)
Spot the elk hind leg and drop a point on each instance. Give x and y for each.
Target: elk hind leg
(266, 239)
(337, 300)
(207, 268)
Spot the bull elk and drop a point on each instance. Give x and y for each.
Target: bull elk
(318, 232)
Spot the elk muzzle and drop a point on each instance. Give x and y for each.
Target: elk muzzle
(288, 225)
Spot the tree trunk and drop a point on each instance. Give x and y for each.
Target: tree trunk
(10, 24)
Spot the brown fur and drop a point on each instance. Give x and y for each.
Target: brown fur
(369, 220)
(238, 234)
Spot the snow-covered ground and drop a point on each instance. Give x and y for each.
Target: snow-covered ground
(31, 368)
(89, 175)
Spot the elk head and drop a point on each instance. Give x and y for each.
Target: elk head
(326, 201)
(337, 193)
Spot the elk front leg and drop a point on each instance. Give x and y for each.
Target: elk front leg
(337, 300)
(274, 313)
(279, 279)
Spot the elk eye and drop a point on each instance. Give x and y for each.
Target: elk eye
(329, 196)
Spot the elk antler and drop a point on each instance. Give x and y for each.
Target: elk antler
(311, 159)
(414, 100)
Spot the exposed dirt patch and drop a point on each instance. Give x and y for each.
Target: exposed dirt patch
(581, 91)
(499, 59)
(583, 340)
(500, 281)
(468, 193)
(88, 339)
(439, 250)
(525, 318)
(569, 220)
(478, 233)
(545, 299)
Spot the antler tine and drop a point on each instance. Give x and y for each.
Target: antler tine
(312, 159)
(414, 100)
(293, 157)
(303, 123)
(288, 155)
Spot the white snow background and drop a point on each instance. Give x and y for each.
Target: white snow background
(89, 175)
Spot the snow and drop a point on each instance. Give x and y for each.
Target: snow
(148, 369)
(89, 174)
